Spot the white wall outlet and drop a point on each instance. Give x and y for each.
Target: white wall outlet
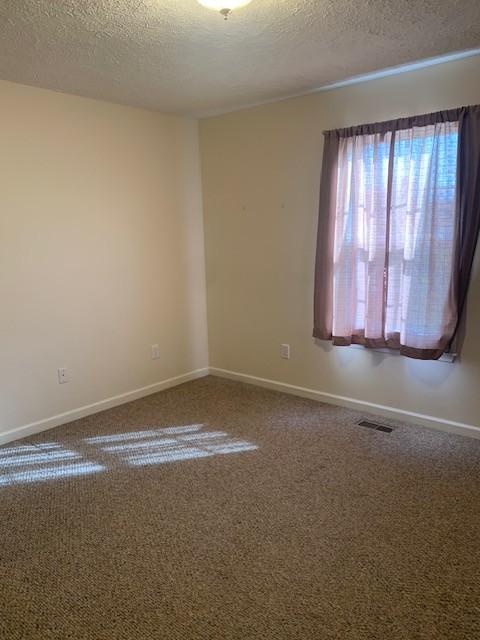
(63, 376)
(155, 351)
(285, 351)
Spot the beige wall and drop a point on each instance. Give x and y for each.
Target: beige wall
(261, 171)
(101, 251)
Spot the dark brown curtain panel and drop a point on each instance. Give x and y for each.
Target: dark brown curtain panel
(398, 224)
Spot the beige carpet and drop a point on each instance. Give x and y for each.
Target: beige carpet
(218, 510)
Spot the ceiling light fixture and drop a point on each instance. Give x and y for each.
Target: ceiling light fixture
(225, 7)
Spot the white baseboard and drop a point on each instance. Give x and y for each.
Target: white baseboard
(359, 405)
(108, 403)
(321, 396)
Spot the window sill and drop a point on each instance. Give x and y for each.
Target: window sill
(447, 357)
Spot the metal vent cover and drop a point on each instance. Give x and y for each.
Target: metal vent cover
(375, 426)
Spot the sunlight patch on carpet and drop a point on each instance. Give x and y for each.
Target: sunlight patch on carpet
(50, 473)
(52, 460)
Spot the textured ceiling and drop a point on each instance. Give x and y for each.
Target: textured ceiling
(175, 55)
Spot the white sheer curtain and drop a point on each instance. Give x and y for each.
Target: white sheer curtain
(395, 235)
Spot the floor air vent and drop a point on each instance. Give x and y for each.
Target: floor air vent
(375, 426)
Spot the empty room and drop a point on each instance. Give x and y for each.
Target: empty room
(240, 320)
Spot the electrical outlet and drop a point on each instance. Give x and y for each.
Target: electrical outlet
(155, 351)
(285, 351)
(63, 376)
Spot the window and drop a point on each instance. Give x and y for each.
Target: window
(390, 241)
